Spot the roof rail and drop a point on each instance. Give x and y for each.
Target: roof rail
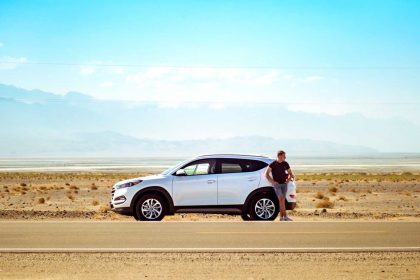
(245, 155)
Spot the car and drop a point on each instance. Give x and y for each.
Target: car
(218, 183)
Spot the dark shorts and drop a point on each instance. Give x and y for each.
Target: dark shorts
(280, 189)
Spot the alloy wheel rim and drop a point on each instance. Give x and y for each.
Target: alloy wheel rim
(265, 208)
(151, 208)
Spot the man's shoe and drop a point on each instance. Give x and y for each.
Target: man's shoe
(287, 219)
(282, 219)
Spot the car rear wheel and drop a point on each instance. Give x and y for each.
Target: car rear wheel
(150, 207)
(264, 208)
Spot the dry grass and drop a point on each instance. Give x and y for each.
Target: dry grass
(406, 192)
(325, 203)
(70, 196)
(332, 189)
(319, 195)
(343, 198)
(73, 187)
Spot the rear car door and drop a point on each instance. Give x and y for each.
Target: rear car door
(237, 178)
(198, 187)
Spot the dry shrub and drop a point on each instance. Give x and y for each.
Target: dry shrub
(67, 184)
(319, 195)
(95, 202)
(41, 200)
(353, 190)
(332, 189)
(70, 196)
(325, 203)
(407, 193)
(23, 184)
(343, 198)
(43, 188)
(93, 187)
(73, 187)
(104, 209)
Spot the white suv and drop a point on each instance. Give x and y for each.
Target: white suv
(218, 183)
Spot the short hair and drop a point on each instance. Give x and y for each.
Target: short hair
(281, 152)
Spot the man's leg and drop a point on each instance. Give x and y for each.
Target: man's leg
(282, 206)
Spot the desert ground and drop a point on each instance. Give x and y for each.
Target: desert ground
(385, 265)
(321, 196)
(85, 195)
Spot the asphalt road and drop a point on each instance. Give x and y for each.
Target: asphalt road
(25, 236)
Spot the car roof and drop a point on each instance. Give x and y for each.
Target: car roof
(241, 156)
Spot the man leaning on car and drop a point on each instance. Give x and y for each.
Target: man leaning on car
(282, 174)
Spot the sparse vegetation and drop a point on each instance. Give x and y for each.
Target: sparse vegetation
(343, 198)
(41, 200)
(95, 202)
(332, 189)
(23, 184)
(319, 195)
(325, 203)
(70, 196)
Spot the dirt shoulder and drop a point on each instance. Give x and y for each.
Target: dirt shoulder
(85, 195)
(210, 265)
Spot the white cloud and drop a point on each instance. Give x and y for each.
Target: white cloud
(10, 63)
(87, 70)
(106, 84)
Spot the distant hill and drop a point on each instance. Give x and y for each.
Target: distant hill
(35, 122)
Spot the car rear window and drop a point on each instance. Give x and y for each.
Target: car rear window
(229, 165)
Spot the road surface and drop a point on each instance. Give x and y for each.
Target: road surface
(66, 236)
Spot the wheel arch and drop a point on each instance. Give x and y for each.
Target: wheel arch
(154, 189)
(261, 190)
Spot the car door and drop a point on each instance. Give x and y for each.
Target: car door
(237, 178)
(198, 187)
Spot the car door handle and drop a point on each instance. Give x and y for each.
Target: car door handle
(252, 179)
(211, 181)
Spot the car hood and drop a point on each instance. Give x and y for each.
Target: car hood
(144, 178)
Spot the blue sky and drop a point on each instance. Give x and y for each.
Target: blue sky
(331, 57)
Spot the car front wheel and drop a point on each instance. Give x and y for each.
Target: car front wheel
(150, 207)
(264, 208)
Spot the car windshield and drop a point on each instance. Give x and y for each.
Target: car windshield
(174, 168)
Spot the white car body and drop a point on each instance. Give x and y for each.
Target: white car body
(216, 192)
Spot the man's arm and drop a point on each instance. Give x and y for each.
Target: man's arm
(268, 176)
(291, 176)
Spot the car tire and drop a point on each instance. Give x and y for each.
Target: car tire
(150, 207)
(264, 207)
(246, 216)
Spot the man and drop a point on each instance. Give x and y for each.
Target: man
(282, 174)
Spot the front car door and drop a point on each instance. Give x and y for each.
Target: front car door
(198, 187)
(237, 178)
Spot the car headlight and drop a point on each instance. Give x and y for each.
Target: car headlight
(127, 185)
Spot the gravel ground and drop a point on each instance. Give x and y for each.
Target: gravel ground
(210, 265)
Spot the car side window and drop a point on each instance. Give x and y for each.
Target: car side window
(227, 167)
(230, 165)
(199, 168)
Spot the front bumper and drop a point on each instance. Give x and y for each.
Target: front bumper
(121, 210)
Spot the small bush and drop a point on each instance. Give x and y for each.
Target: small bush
(325, 203)
(343, 198)
(73, 187)
(93, 187)
(319, 195)
(41, 200)
(332, 189)
(95, 202)
(67, 184)
(23, 184)
(70, 196)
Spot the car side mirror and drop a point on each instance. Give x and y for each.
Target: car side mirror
(180, 172)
